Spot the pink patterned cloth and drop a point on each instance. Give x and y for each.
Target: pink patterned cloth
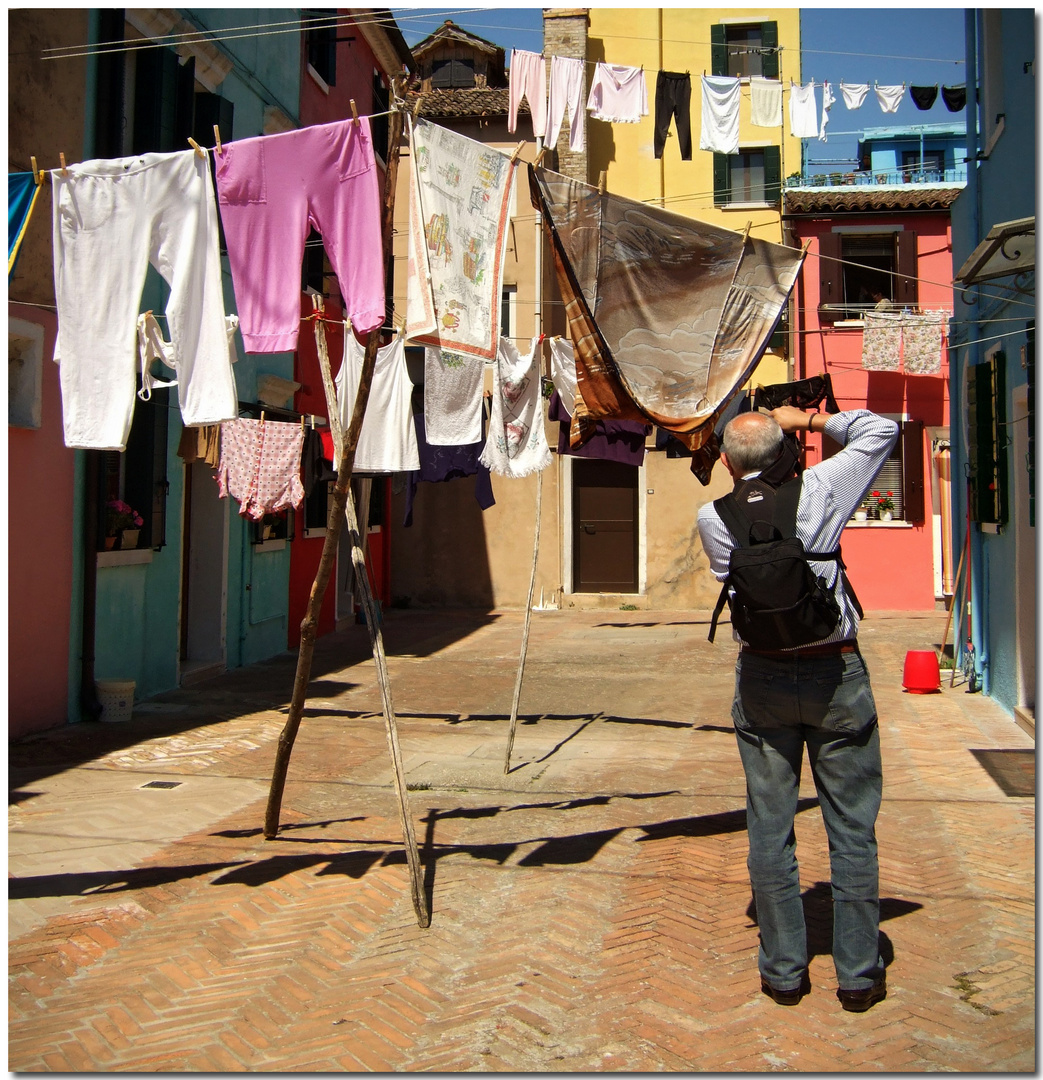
(261, 466)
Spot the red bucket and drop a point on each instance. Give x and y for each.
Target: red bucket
(921, 675)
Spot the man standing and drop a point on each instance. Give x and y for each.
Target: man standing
(817, 695)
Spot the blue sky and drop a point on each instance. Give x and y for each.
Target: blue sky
(889, 45)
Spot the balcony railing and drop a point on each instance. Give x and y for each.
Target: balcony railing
(877, 178)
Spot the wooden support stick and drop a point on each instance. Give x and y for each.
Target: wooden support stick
(348, 444)
(528, 620)
(952, 606)
(601, 182)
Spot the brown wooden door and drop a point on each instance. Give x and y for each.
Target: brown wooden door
(604, 516)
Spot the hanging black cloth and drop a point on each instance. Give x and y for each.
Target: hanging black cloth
(955, 97)
(923, 96)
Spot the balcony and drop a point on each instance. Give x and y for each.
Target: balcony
(876, 178)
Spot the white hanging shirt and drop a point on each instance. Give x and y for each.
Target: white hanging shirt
(720, 128)
(803, 120)
(618, 94)
(765, 102)
(890, 97)
(387, 442)
(827, 101)
(854, 94)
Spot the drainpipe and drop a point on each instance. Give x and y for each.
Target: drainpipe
(978, 590)
(89, 470)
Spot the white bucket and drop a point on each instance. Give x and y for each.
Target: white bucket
(117, 699)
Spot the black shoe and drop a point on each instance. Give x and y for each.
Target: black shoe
(782, 997)
(860, 1000)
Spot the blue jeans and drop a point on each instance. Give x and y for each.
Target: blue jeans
(826, 703)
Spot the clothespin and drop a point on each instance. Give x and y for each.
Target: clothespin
(354, 113)
(746, 232)
(601, 182)
(37, 176)
(262, 416)
(540, 156)
(217, 138)
(416, 107)
(302, 423)
(517, 150)
(65, 170)
(195, 146)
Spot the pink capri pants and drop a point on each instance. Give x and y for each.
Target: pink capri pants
(272, 190)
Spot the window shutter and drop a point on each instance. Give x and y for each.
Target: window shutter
(718, 51)
(830, 276)
(912, 471)
(772, 174)
(770, 40)
(210, 109)
(906, 292)
(986, 418)
(1030, 365)
(721, 182)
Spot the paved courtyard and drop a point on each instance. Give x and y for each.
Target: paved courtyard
(590, 909)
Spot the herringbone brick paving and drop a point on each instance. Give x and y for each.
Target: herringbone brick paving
(591, 910)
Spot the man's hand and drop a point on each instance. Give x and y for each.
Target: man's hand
(789, 418)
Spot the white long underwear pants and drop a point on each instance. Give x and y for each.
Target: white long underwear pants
(566, 95)
(111, 219)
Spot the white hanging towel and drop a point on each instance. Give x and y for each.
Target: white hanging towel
(517, 442)
(890, 97)
(452, 398)
(827, 101)
(387, 442)
(854, 94)
(566, 95)
(563, 371)
(720, 128)
(765, 102)
(618, 94)
(803, 119)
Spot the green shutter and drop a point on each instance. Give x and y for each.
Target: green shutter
(1030, 366)
(986, 419)
(772, 174)
(718, 52)
(721, 180)
(770, 40)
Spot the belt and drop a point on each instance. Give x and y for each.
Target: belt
(831, 648)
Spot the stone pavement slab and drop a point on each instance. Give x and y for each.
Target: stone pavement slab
(590, 908)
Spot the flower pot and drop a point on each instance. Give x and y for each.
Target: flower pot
(110, 543)
(860, 515)
(129, 539)
(886, 515)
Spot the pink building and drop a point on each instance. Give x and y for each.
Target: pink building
(883, 249)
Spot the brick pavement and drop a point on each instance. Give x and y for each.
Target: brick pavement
(590, 909)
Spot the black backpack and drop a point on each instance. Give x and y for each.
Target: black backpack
(779, 601)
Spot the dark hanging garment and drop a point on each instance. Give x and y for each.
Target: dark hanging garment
(955, 97)
(673, 98)
(923, 96)
(668, 315)
(615, 440)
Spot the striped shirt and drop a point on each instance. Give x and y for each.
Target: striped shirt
(829, 494)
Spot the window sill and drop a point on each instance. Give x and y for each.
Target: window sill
(747, 206)
(878, 525)
(137, 557)
(323, 85)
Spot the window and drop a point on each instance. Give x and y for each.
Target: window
(928, 167)
(509, 311)
(378, 125)
(856, 269)
(750, 176)
(902, 474)
(742, 50)
(449, 72)
(317, 509)
(321, 44)
(138, 476)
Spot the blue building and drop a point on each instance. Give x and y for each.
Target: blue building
(918, 154)
(992, 357)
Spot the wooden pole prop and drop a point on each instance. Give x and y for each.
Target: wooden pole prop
(528, 620)
(952, 607)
